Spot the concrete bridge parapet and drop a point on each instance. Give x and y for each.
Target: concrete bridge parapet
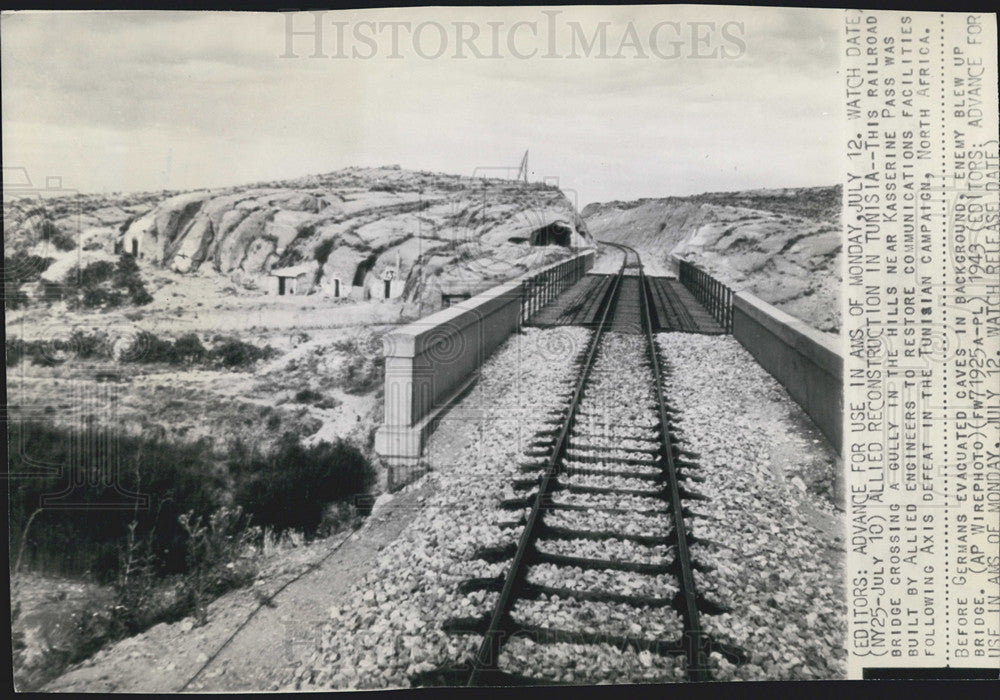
(431, 362)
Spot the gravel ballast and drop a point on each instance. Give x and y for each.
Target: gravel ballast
(589, 663)
(648, 525)
(759, 554)
(600, 617)
(391, 627)
(602, 562)
(778, 572)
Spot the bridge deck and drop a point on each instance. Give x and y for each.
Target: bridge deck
(577, 306)
(674, 308)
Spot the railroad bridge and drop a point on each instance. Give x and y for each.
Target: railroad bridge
(431, 362)
(672, 306)
(626, 498)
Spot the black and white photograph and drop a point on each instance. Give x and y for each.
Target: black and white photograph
(433, 346)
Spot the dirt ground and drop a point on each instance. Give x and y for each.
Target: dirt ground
(271, 639)
(208, 304)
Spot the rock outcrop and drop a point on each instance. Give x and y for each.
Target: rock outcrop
(347, 227)
(782, 245)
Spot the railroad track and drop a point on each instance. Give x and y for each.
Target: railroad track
(675, 314)
(603, 558)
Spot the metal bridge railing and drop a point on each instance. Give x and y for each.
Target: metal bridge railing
(713, 294)
(540, 289)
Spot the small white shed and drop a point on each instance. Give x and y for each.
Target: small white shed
(289, 280)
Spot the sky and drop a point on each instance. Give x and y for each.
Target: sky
(679, 100)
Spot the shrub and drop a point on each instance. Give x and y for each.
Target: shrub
(127, 276)
(236, 353)
(42, 353)
(135, 581)
(307, 396)
(148, 348)
(80, 344)
(363, 366)
(222, 554)
(87, 346)
(21, 268)
(94, 273)
(106, 284)
(219, 554)
(186, 529)
(13, 296)
(48, 231)
(51, 291)
(189, 348)
(86, 288)
(96, 297)
(87, 536)
(141, 296)
(292, 487)
(362, 374)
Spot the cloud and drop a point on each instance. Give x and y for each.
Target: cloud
(145, 100)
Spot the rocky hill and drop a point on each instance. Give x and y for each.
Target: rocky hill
(436, 231)
(782, 245)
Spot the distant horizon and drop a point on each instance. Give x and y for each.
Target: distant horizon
(700, 98)
(12, 191)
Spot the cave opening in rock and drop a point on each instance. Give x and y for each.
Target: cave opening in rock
(552, 234)
(364, 267)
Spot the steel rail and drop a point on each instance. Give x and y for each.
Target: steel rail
(514, 585)
(682, 317)
(693, 637)
(488, 655)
